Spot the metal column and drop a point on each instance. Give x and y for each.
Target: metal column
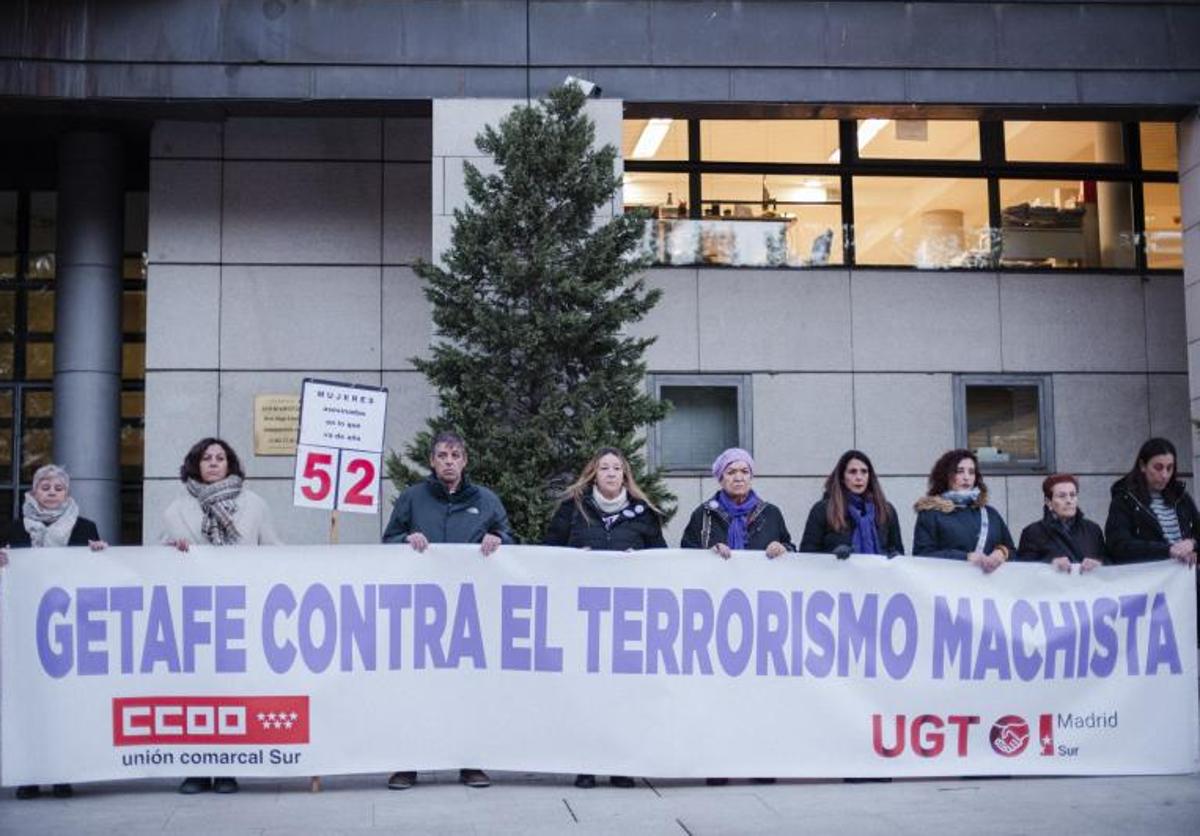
(87, 330)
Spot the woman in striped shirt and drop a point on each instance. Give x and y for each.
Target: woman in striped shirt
(1152, 516)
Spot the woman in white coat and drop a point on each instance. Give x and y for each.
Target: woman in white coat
(217, 510)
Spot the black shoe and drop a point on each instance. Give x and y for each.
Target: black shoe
(225, 786)
(28, 791)
(585, 782)
(191, 786)
(401, 780)
(762, 780)
(716, 782)
(62, 791)
(622, 781)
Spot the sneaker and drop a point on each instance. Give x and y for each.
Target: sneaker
(225, 786)
(622, 781)
(62, 791)
(716, 782)
(28, 791)
(401, 780)
(585, 782)
(191, 786)
(476, 778)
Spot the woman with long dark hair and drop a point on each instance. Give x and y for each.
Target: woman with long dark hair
(605, 509)
(1151, 515)
(953, 518)
(854, 516)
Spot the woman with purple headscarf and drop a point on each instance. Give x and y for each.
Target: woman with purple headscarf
(736, 518)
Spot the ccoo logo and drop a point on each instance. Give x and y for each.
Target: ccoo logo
(1009, 735)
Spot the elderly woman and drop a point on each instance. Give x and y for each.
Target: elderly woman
(954, 519)
(1062, 537)
(605, 509)
(854, 516)
(50, 519)
(735, 518)
(217, 510)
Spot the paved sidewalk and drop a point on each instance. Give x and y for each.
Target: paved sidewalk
(549, 804)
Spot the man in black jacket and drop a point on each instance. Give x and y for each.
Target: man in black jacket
(447, 508)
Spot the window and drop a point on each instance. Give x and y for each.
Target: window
(1160, 151)
(1063, 142)
(1007, 420)
(709, 414)
(769, 140)
(1066, 223)
(918, 139)
(921, 221)
(1164, 226)
(28, 221)
(925, 193)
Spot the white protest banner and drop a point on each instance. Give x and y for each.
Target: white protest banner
(340, 450)
(322, 660)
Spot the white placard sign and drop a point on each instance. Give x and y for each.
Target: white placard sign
(340, 452)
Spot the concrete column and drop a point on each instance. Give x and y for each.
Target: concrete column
(87, 310)
(1115, 205)
(1189, 193)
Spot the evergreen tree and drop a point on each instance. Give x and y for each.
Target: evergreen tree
(531, 362)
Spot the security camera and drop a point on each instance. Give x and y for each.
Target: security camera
(589, 88)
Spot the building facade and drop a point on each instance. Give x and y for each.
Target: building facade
(894, 226)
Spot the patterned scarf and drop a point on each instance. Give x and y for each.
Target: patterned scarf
(49, 526)
(865, 539)
(218, 504)
(738, 514)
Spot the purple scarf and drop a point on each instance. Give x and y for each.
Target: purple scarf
(865, 539)
(738, 514)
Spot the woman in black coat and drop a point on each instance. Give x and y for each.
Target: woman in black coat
(605, 509)
(736, 517)
(1063, 537)
(50, 519)
(953, 518)
(853, 496)
(1151, 515)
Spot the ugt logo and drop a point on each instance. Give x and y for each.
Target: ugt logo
(927, 735)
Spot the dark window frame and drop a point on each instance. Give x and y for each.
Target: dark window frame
(743, 383)
(1045, 386)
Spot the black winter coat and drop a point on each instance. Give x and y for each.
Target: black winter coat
(709, 525)
(820, 538)
(944, 530)
(1132, 530)
(636, 527)
(84, 531)
(1049, 538)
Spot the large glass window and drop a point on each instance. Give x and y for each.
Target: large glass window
(768, 140)
(932, 194)
(1164, 226)
(1064, 142)
(27, 328)
(921, 221)
(918, 139)
(1066, 223)
(654, 139)
(1160, 151)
